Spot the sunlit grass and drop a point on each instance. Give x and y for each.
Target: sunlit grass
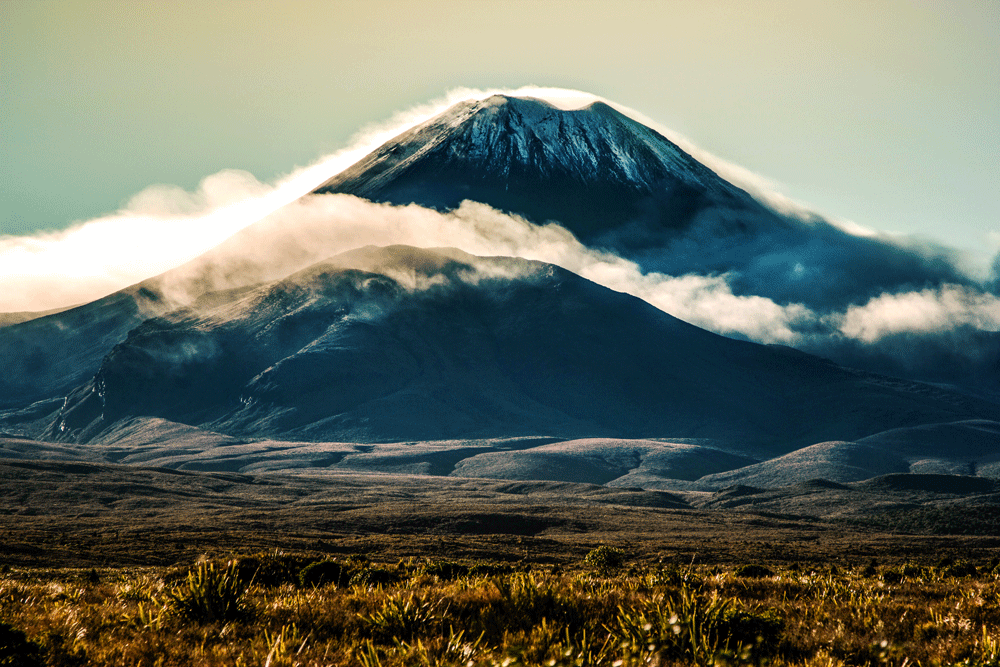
(260, 611)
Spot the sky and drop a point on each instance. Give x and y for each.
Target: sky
(883, 113)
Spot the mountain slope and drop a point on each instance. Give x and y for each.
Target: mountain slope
(388, 344)
(832, 461)
(47, 356)
(610, 179)
(618, 463)
(969, 441)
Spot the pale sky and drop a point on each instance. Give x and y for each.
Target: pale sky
(884, 113)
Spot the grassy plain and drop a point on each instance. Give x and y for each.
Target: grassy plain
(108, 565)
(310, 610)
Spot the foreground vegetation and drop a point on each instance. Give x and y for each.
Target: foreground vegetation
(280, 609)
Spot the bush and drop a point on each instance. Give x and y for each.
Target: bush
(16, 650)
(961, 570)
(525, 598)
(325, 572)
(490, 569)
(376, 576)
(605, 558)
(686, 629)
(271, 569)
(753, 570)
(760, 628)
(444, 569)
(209, 595)
(401, 616)
(697, 629)
(892, 576)
(670, 577)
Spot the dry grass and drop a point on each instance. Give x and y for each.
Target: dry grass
(416, 612)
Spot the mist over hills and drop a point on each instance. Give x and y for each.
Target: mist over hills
(402, 343)
(315, 342)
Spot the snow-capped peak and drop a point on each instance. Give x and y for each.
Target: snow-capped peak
(592, 168)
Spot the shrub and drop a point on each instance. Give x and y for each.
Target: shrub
(445, 570)
(666, 577)
(892, 576)
(376, 576)
(689, 629)
(756, 627)
(490, 569)
(605, 558)
(926, 632)
(209, 595)
(401, 616)
(753, 570)
(524, 598)
(698, 629)
(961, 570)
(271, 569)
(16, 650)
(325, 572)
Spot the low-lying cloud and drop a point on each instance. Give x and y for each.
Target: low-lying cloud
(319, 226)
(164, 226)
(928, 311)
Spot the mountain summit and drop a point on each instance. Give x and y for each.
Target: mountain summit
(592, 169)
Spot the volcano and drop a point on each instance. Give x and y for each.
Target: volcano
(392, 346)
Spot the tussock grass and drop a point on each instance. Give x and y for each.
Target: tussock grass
(450, 613)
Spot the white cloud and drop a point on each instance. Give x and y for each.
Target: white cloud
(928, 311)
(320, 226)
(317, 227)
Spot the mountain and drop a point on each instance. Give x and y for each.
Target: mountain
(617, 463)
(400, 343)
(613, 181)
(271, 352)
(895, 503)
(972, 442)
(619, 185)
(7, 319)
